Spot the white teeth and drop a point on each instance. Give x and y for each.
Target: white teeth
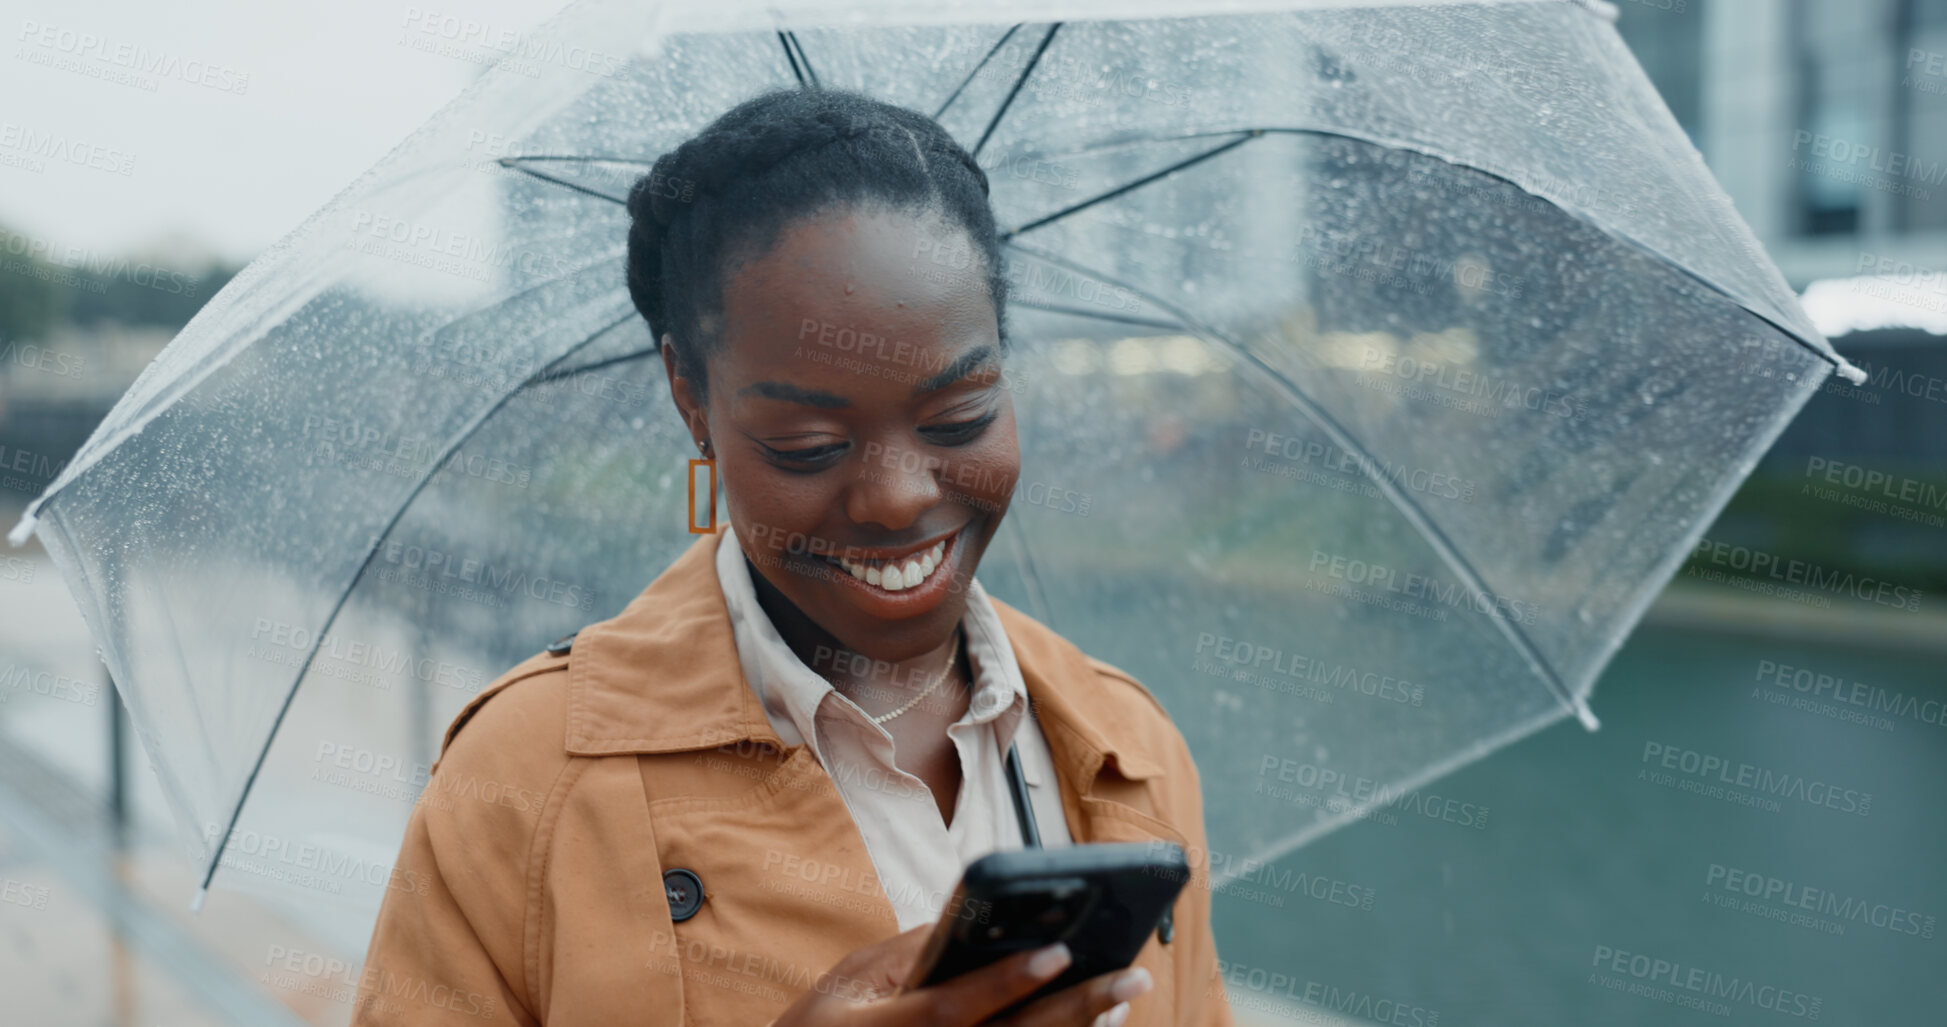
(897, 577)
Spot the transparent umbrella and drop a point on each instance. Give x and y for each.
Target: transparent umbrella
(1375, 368)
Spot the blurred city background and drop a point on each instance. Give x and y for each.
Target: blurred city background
(1825, 121)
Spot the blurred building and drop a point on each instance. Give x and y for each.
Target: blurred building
(1826, 122)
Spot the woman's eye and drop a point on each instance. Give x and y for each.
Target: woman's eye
(810, 455)
(959, 432)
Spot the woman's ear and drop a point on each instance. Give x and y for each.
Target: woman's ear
(684, 392)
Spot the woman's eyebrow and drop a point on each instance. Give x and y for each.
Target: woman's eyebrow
(794, 394)
(957, 370)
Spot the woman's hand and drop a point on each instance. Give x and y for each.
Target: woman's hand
(862, 990)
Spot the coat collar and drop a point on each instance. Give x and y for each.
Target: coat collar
(663, 676)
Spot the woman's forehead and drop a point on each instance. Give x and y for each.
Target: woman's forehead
(857, 290)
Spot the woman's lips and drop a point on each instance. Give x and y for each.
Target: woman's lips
(899, 573)
(904, 586)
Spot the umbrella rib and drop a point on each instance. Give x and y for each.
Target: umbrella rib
(1051, 308)
(1437, 539)
(1030, 578)
(1019, 81)
(1839, 363)
(508, 162)
(433, 467)
(555, 376)
(794, 52)
(965, 82)
(1131, 186)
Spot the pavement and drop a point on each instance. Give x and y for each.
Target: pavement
(95, 924)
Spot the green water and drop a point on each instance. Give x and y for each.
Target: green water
(1586, 863)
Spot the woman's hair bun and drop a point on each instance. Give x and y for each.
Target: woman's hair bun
(730, 186)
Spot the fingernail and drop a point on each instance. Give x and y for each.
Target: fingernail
(1128, 984)
(1114, 1017)
(1049, 961)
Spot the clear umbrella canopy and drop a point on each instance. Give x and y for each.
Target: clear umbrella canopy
(1374, 367)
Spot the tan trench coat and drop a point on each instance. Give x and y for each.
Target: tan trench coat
(529, 888)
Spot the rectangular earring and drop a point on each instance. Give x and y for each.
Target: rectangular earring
(703, 474)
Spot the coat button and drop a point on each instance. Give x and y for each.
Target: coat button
(564, 643)
(685, 892)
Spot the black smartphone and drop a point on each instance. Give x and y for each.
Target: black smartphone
(1104, 900)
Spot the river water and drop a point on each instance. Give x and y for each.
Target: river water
(1726, 849)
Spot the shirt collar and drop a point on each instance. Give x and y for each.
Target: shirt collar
(664, 675)
(792, 693)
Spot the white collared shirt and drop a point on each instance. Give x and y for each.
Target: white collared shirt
(918, 857)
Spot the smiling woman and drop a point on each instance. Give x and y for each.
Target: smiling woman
(812, 722)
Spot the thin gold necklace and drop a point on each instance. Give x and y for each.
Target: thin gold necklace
(951, 659)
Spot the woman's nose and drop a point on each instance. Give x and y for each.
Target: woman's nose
(895, 485)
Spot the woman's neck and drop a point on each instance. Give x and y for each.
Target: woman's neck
(875, 684)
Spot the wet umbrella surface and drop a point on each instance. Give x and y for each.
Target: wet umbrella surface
(1375, 368)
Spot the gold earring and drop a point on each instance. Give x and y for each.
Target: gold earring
(705, 469)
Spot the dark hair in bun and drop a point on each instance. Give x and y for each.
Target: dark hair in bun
(777, 157)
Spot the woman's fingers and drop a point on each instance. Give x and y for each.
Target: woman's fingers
(1101, 1001)
(972, 997)
(879, 969)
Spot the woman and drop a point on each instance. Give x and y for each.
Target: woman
(746, 798)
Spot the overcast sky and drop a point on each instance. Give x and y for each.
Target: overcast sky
(260, 112)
